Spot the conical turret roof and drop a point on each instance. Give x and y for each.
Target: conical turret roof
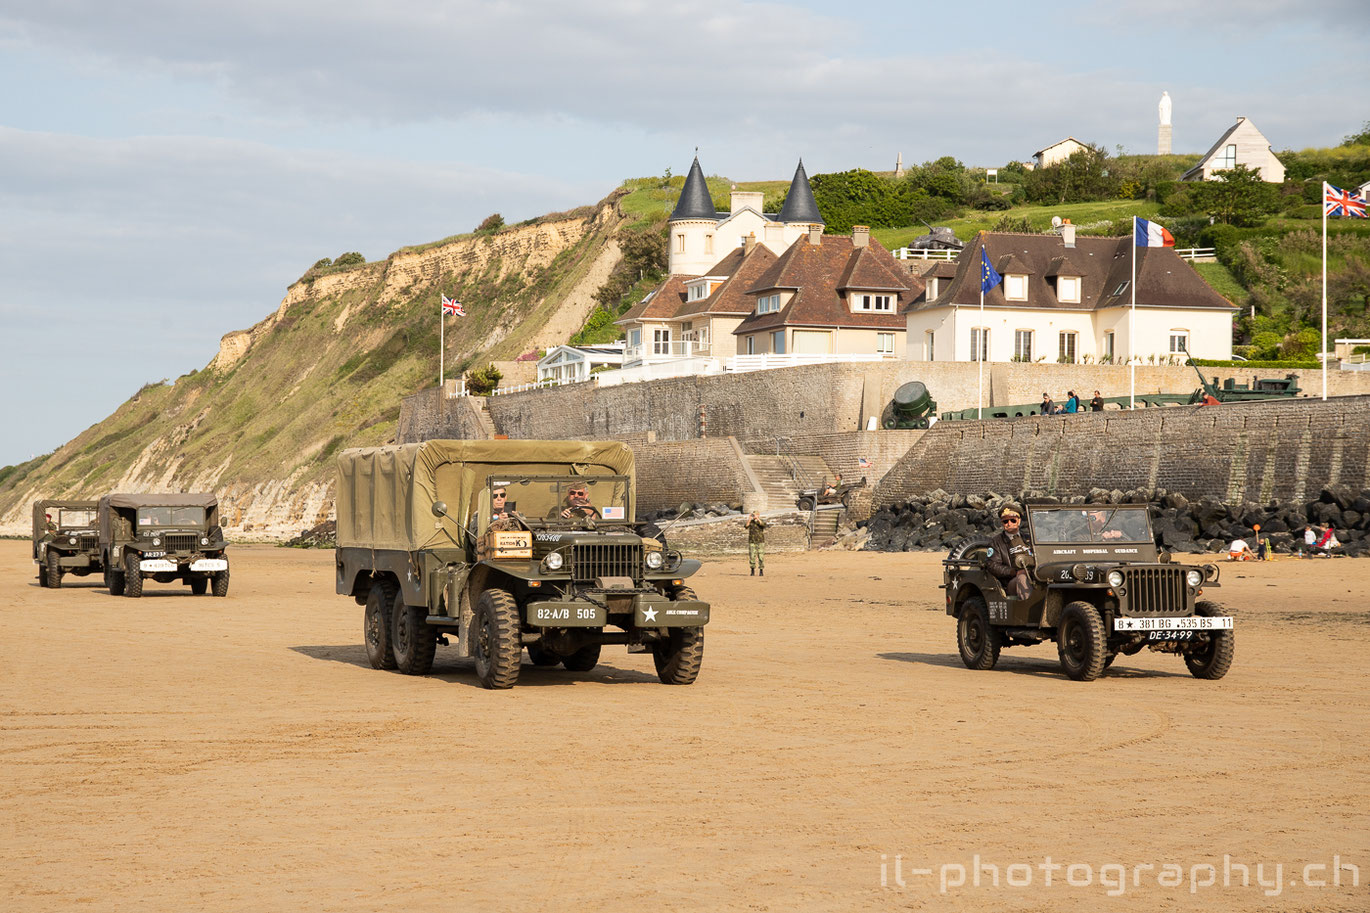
(800, 206)
(695, 202)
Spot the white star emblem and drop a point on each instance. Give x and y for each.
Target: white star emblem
(649, 614)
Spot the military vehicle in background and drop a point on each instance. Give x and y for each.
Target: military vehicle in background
(938, 238)
(1099, 588)
(507, 545)
(64, 540)
(828, 494)
(162, 537)
(912, 407)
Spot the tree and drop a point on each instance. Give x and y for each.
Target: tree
(1359, 139)
(481, 381)
(1237, 196)
(1084, 177)
(351, 258)
(493, 222)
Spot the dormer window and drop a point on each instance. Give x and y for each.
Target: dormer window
(767, 303)
(883, 303)
(1015, 287)
(932, 289)
(1068, 289)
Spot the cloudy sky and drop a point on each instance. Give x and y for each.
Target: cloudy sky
(168, 167)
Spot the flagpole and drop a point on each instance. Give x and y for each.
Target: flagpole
(1324, 290)
(442, 342)
(1132, 326)
(980, 353)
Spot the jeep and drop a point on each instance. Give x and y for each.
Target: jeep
(162, 537)
(64, 540)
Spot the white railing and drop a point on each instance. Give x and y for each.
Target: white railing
(1355, 363)
(676, 348)
(744, 363)
(657, 370)
(1197, 253)
(455, 388)
(919, 253)
(536, 385)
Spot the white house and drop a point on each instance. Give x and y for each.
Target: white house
(1056, 152)
(1242, 144)
(1064, 299)
(571, 364)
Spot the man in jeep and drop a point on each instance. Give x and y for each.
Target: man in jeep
(1010, 555)
(577, 504)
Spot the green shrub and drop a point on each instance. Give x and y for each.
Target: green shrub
(351, 258)
(493, 222)
(481, 381)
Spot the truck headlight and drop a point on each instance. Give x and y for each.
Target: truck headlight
(1194, 578)
(655, 560)
(71, 539)
(553, 561)
(1115, 579)
(156, 540)
(204, 540)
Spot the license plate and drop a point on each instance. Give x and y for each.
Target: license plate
(157, 565)
(1189, 623)
(566, 615)
(210, 564)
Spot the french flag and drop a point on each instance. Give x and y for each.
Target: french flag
(1150, 234)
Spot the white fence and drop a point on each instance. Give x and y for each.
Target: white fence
(1197, 253)
(744, 363)
(918, 253)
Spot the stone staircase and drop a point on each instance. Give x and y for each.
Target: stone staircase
(783, 477)
(479, 406)
(825, 522)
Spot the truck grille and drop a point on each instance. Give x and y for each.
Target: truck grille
(88, 543)
(591, 561)
(181, 542)
(1156, 590)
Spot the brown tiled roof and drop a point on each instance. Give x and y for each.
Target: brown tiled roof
(819, 272)
(731, 296)
(945, 269)
(1104, 264)
(1010, 263)
(664, 301)
(1063, 266)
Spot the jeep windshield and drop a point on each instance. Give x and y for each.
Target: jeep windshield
(75, 519)
(157, 517)
(1082, 526)
(543, 500)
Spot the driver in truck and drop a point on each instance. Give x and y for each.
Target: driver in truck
(1010, 556)
(578, 503)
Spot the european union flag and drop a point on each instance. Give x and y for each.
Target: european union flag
(988, 277)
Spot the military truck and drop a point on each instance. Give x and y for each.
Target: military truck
(507, 545)
(64, 540)
(162, 537)
(1100, 587)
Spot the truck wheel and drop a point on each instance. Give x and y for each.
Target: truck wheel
(114, 581)
(221, 583)
(806, 504)
(498, 647)
(978, 640)
(54, 571)
(583, 660)
(198, 585)
(679, 656)
(376, 625)
(1081, 641)
(541, 657)
(133, 578)
(412, 641)
(1210, 660)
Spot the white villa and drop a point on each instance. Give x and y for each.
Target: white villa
(570, 364)
(1242, 144)
(1064, 299)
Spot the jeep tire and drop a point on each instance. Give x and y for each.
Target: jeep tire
(1211, 659)
(1081, 641)
(53, 570)
(221, 583)
(198, 585)
(978, 641)
(376, 624)
(133, 577)
(679, 655)
(114, 580)
(498, 645)
(411, 640)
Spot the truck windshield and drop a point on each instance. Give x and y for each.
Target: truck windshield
(76, 519)
(599, 498)
(1078, 526)
(170, 516)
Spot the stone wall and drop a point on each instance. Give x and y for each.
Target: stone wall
(1257, 452)
(669, 472)
(427, 416)
(728, 536)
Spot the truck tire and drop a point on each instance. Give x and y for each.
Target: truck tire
(541, 657)
(1081, 641)
(221, 583)
(411, 640)
(978, 641)
(198, 585)
(53, 571)
(114, 581)
(133, 578)
(498, 646)
(583, 660)
(376, 624)
(1212, 659)
(806, 504)
(966, 546)
(679, 657)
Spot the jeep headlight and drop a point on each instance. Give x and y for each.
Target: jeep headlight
(655, 560)
(156, 540)
(1115, 579)
(553, 561)
(1194, 578)
(71, 539)
(204, 540)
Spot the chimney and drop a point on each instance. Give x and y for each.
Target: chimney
(741, 199)
(860, 235)
(1068, 233)
(816, 235)
(749, 244)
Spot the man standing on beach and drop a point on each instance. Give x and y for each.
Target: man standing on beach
(756, 543)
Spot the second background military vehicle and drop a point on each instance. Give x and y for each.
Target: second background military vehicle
(1099, 588)
(64, 540)
(162, 537)
(507, 545)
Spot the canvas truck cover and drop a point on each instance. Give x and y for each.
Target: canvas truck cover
(199, 499)
(41, 508)
(385, 494)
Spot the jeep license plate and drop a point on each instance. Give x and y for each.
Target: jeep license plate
(1190, 623)
(566, 615)
(210, 564)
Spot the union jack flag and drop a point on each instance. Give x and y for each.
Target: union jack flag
(452, 306)
(1338, 202)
